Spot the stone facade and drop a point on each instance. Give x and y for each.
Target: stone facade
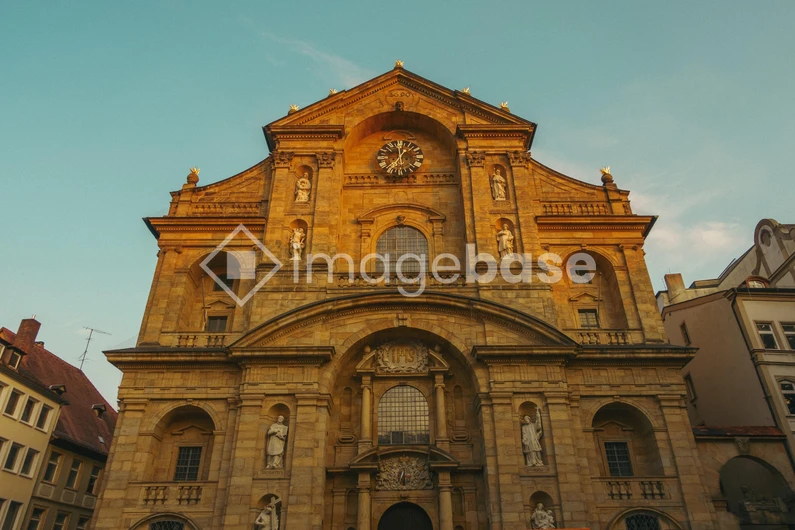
(338, 357)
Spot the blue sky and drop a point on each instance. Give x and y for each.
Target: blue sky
(104, 106)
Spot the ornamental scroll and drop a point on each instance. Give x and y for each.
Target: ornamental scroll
(402, 357)
(403, 473)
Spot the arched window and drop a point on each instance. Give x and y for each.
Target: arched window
(642, 521)
(403, 417)
(398, 241)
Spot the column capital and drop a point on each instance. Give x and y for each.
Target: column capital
(475, 158)
(325, 159)
(282, 159)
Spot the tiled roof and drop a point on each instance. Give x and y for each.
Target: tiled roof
(78, 423)
(756, 430)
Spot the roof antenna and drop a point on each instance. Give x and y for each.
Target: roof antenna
(91, 332)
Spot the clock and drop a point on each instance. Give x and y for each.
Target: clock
(400, 157)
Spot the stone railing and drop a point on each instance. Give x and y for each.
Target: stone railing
(636, 488)
(165, 494)
(606, 337)
(575, 208)
(343, 280)
(375, 180)
(196, 339)
(229, 208)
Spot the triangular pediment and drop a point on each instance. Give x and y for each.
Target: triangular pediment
(396, 89)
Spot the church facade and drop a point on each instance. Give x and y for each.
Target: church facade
(263, 395)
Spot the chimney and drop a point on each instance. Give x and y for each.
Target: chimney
(26, 335)
(675, 284)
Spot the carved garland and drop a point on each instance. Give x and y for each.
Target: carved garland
(282, 158)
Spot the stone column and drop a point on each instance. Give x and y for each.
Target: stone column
(305, 507)
(237, 514)
(508, 458)
(327, 205)
(445, 501)
(442, 441)
(366, 439)
(363, 518)
(695, 493)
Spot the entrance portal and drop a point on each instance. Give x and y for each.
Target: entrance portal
(405, 516)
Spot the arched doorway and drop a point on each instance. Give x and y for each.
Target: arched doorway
(405, 516)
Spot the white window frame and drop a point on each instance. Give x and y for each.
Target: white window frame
(772, 333)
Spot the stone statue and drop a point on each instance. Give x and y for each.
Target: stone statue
(498, 184)
(303, 186)
(268, 519)
(531, 440)
(297, 243)
(277, 438)
(542, 518)
(505, 241)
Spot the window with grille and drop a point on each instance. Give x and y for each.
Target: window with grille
(397, 242)
(618, 461)
(642, 521)
(589, 318)
(765, 330)
(167, 525)
(788, 390)
(61, 521)
(35, 518)
(217, 324)
(44, 413)
(403, 417)
(28, 462)
(789, 333)
(188, 460)
(74, 473)
(92, 480)
(52, 467)
(27, 411)
(10, 520)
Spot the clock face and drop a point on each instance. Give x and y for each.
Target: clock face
(400, 157)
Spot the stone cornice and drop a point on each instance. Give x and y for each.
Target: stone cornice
(586, 223)
(205, 223)
(314, 133)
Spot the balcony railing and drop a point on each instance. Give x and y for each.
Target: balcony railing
(196, 339)
(636, 488)
(607, 337)
(173, 494)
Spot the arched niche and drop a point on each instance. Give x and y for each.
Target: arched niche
(365, 139)
(595, 303)
(274, 412)
(751, 485)
(183, 445)
(267, 505)
(625, 442)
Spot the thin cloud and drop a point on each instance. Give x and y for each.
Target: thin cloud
(337, 69)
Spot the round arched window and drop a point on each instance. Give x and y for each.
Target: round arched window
(642, 521)
(400, 241)
(403, 417)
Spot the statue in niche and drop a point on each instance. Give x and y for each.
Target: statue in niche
(531, 440)
(303, 187)
(277, 438)
(297, 243)
(498, 184)
(268, 518)
(542, 518)
(505, 241)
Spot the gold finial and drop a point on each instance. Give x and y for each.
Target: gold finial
(398, 64)
(293, 108)
(193, 176)
(332, 91)
(607, 178)
(504, 106)
(466, 91)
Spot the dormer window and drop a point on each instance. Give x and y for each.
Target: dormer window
(14, 359)
(756, 283)
(99, 410)
(58, 389)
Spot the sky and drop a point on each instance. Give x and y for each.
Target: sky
(105, 105)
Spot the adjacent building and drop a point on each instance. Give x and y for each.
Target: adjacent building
(741, 384)
(252, 400)
(55, 482)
